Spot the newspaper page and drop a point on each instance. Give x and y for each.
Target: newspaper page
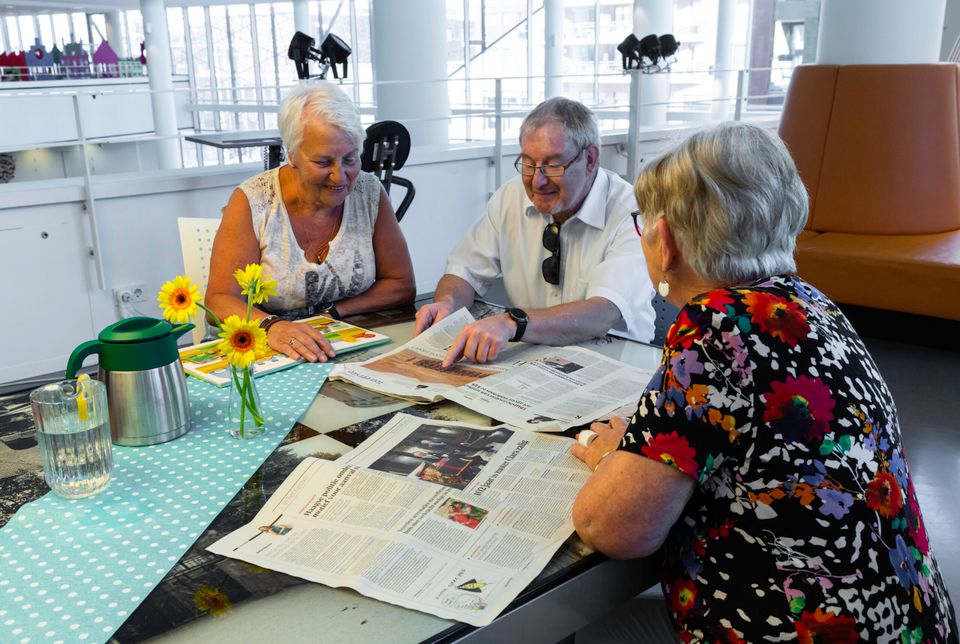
(534, 387)
(431, 547)
(555, 388)
(414, 372)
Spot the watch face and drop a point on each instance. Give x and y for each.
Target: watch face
(518, 315)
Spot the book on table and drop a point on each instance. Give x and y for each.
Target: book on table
(206, 362)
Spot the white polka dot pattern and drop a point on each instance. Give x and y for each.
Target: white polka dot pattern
(73, 570)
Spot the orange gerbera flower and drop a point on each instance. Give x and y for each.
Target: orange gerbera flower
(178, 299)
(243, 341)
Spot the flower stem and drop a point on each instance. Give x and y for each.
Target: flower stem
(216, 320)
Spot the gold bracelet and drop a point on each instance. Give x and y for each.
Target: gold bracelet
(603, 456)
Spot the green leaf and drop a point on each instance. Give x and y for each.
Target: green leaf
(845, 442)
(826, 447)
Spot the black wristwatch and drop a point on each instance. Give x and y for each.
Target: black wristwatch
(520, 317)
(330, 310)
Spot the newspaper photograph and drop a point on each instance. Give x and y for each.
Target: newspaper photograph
(431, 531)
(534, 387)
(414, 371)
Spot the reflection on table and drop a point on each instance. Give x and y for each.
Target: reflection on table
(206, 597)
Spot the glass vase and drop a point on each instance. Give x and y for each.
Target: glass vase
(245, 419)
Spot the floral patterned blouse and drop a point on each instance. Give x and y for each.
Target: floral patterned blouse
(804, 524)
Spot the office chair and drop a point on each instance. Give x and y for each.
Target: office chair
(196, 245)
(386, 149)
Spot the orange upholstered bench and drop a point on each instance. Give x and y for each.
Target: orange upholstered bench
(878, 148)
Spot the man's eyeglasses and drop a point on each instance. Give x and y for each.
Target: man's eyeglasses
(546, 169)
(551, 265)
(636, 223)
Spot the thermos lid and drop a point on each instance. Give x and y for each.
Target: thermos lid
(133, 344)
(138, 329)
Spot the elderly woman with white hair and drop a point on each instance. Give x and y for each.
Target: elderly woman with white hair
(765, 455)
(319, 226)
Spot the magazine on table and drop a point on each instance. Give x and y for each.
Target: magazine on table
(447, 518)
(206, 362)
(533, 387)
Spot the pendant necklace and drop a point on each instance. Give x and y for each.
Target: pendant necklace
(325, 248)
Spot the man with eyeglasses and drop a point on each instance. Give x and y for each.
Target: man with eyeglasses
(561, 237)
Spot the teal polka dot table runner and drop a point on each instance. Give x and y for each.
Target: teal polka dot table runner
(73, 570)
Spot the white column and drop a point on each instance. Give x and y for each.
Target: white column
(879, 32)
(652, 17)
(410, 56)
(553, 48)
(4, 34)
(724, 78)
(301, 22)
(115, 34)
(301, 18)
(159, 69)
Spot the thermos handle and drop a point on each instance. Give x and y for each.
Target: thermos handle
(79, 355)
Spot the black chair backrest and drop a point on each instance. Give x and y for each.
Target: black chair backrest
(386, 149)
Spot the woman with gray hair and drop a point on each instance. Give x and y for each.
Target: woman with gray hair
(765, 455)
(319, 226)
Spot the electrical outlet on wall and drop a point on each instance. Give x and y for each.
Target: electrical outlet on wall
(127, 296)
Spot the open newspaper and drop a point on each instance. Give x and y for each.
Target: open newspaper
(534, 387)
(206, 362)
(446, 518)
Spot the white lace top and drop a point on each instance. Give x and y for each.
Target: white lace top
(303, 287)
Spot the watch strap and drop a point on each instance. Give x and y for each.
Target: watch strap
(269, 321)
(519, 316)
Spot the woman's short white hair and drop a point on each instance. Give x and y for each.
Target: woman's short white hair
(733, 199)
(322, 101)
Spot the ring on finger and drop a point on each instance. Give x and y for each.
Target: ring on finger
(586, 437)
(293, 341)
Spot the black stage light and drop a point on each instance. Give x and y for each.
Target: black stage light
(628, 50)
(650, 48)
(332, 51)
(335, 51)
(668, 45)
(300, 51)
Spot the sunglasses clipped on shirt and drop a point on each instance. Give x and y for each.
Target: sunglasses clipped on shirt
(550, 268)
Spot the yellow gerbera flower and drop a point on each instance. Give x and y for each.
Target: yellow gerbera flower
(254, 284)
(178, 299)
(243, 341)
(208, 599)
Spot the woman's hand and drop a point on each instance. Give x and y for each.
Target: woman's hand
(607, 440)
(297, 340)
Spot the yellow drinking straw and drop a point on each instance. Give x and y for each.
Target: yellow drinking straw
(81, 395)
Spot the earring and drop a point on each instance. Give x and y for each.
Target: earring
(663, 288)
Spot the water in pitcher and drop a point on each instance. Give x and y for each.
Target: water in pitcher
(79, 463)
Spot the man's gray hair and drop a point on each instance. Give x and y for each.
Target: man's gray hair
(733, 199)
(322, 101)
(575, 117)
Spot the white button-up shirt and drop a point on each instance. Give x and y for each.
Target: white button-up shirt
(600, 253)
